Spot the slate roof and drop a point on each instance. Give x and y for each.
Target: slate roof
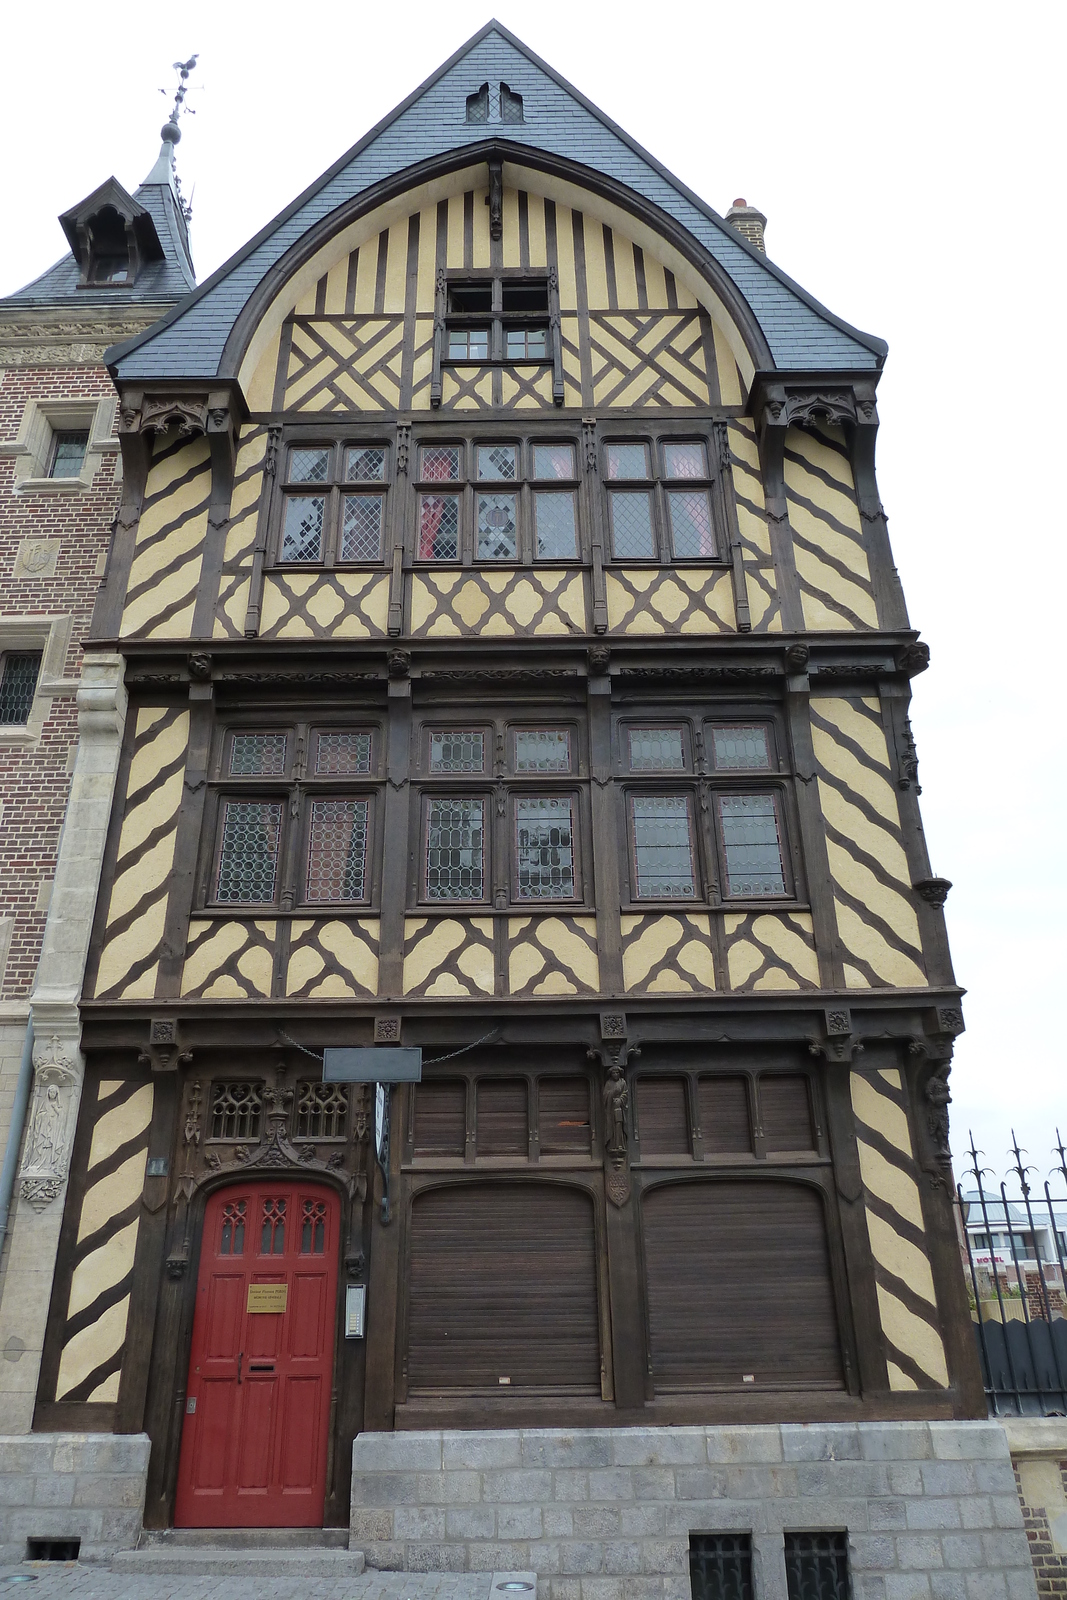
(158, 282)
(800, 332)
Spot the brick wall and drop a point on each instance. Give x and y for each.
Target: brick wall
(1050, 1567)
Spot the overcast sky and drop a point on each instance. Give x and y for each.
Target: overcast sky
(910, 159)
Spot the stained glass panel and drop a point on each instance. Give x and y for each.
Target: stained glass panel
(342, 751)
(438, 527)
(542, 750)
(656, 750)
(663, 851)
(439, 463)
(258, 755)
(455, 848)
(248, 858)
(462, 751)
(544, 849)
(497, 461)
(741, 749)
(337, 850)
(751, 844)
(302, 539)
(18, 685)
(497, 527)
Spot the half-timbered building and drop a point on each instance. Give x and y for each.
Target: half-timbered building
(517, 670)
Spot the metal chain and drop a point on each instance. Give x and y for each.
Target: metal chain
(432, 1063)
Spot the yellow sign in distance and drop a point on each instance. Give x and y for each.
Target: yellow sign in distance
(267, 1297)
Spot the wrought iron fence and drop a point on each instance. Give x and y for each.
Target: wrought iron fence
(1013, 1238)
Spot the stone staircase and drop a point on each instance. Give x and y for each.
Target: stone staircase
(305, 1553)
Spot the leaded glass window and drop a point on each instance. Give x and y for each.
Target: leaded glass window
(496, 461)
(752, 846)
(455, 849)
(720, 1566)
(68, 453)
(342, 752)
(557, 535)
(627, 461)
(544, 841)
(553, 461)
(684, 460)
(364, 464)
(498, 530)
(478, 105)
(510, 105)
(248, 854)
(235, 1110)
(302, 535)
(689, 513)
(439, 463)
(309, 466)
(321, 1111)
(631, 526)
(542, 750)
(18, 685)
(462, 751)
(663, 847)
(313, 1228)
(816, 1566)
(438, 527)
(337, 850)
(361, 527)
(258, 755)
(736, 749)
(656, 750)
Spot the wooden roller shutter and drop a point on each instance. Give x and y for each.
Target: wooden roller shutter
(440, 1119)
(502, 1126)
(724, 1121)
(564, 1126)
(503, 1285)
(785, 1111)
(739, 1283)
(662, 1122)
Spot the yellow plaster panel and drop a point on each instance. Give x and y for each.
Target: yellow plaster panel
(909, 1332)
(91, 1346)
(120, 1125)
(102, 1268)
(261, 387)
(890, 1184)
(864, 731)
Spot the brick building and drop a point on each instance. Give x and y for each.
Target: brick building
(126, 262)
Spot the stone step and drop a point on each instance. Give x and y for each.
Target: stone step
(245, 1538)
(223, 1561)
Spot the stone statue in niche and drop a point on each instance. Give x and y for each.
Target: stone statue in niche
(616, 1103)
(48, 1139)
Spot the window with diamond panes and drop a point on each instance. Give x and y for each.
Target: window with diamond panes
(662, 834)
(236, 1109)
(362, 521)
(630, 510)
(344, 522)
(656, 750)
(321, 1111)
(455, 849)
(659, 501)
(438, 534)
(19, 671)
(460, 750)
(816, 1566)
(740, 749)
(309, 466)
(720, 1566)
(544, 848)
(365, 464)
(343, 752)
(542, 750)
(258, 755)
(302, 532)
(752, 845)
(248, 851)
(337, 850)
(689, 509)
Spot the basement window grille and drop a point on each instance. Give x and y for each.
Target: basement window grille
(236, 1109)
(720, 1566)
(816, 1566)
(53, 1549)
(18, 685)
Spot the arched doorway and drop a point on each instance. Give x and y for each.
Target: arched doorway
(257, 1411)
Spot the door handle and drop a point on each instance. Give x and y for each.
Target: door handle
(240, 1358)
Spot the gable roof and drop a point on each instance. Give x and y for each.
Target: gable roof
(558, 120)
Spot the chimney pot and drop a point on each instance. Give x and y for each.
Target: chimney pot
(749, 222)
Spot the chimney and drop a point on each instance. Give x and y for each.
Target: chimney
(748, 221)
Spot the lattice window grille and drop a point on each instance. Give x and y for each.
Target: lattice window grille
(438, 527)
(663, 848)
(342, 753)
(236, 1109)
(309, 466)
(361, 530)
(691, 530)
(545, 849)
(337, 850)
(684, 460)
(439, 463)
(741, 749)
(720, 1566)
(631, 527)
(248, 859)
(68, 453)
(365, 466)
(302, 539)
(313, 1228)
(557, 535)
(455, 850)
(497, 527)
(656, 750)
(553, 461)
(627, 461)
(462, 751)
(258, 755)
(497, 461)
(816, 1566)
(321, 1111)
(272, 1236)
(18, 685)
(752, 844)
(542, 750)
(233, 1228)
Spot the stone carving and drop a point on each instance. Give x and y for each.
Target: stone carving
(270, 462)
(938, 1098)
(612, 1025)
(164, 1052)
(50, 1129)
(909, 760)
(796, 657)
(914, 658)
(933, 890)
(833, 406)
(599, 657)
(387, 1030)
(186, 414)
(37, 558)
(950, 1019)
(838, 1021)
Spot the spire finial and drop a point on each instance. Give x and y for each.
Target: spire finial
(170, 131)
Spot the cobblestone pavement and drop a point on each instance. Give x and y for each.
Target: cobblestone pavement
(92, 1581)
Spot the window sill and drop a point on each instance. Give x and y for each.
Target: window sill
(60, 486)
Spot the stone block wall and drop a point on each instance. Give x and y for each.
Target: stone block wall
(1039, 1454)
(87, 1486)
(930, 1509)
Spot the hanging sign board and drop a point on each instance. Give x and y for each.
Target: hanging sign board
(371, 1064)
(267, 1297)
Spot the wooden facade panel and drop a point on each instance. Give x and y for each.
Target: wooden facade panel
(502, 1117)
(687, 600)
(827, 536)
(786, 1112)
(907, 1301)
(325, 605)
(724, 1117)
(333, 960)
(449, 956)
(169, 546)
(250, 481)
(662, 1117)
(564, 1121)
(873, 898)
(739, 1287)
(141, 883)
(552, 955)
(495, 603)
(503, 1290)
(229, 960)
(771, 950)
(440, 1118)
(667, 952)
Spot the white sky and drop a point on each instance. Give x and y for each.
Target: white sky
(910, 159)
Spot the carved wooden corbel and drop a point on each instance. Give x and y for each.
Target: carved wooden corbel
(164, 1052)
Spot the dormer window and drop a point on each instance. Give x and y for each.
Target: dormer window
(111, 237)
(504, 319)
(109, 249)
(510, 105)
(478, 105)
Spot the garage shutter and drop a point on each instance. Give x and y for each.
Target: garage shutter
(440, 1119)
(739, 1283)
(785, 1104)
(503, 1285)
(662, 1121)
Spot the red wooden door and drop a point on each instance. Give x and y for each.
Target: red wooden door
(258, 1400)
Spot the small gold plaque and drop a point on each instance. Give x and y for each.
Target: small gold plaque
(267, 1296)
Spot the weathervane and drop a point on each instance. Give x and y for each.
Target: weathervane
(171, 132)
